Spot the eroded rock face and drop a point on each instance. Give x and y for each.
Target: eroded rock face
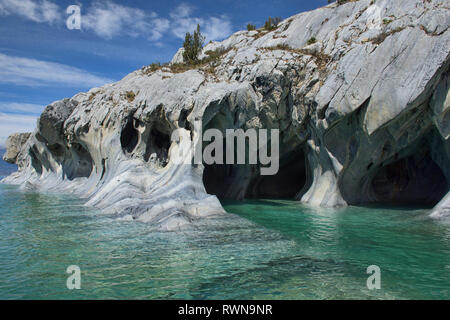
(14, 145)
(362, 112)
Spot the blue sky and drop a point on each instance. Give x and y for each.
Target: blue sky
(42, 61)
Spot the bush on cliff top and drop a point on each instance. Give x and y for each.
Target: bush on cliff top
(193, 45)
(272, 23)
(312, 40)
(342, 1)
(210, 62)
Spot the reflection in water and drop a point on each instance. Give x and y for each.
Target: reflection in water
(267, 249)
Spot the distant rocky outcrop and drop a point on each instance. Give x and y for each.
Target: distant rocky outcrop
(14, 145)
(359, 91)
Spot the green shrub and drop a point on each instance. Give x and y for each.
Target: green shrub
(155, 66)
(207, 64)
(342, 1)
(193, 45)
(312, 40)
(272, 23)
(284, 47)
(214, 55)
(251, 27)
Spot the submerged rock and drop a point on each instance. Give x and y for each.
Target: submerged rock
(359, 92)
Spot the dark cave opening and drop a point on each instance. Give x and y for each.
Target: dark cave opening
(158, 143)
(415, 180)
(222, 180)
(80, 164)
(129, 137)
(287, 183)
(239, 182)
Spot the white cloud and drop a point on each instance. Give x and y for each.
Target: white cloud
(32, 72)
(37, 11)
(108, 19)
(214, 28)
(217, 28)
(10, 124)
(17, 117)
(182, 11)
(14, 107)
(160, 26)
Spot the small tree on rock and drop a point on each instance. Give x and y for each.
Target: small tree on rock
(193, 44)
(272, 23)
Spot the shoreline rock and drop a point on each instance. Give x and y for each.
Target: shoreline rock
(14, 145)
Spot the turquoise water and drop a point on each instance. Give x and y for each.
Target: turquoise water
(268, 250)
(5, 168)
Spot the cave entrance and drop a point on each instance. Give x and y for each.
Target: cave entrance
(287, 183)
(158, 145)
(225, 181)
(129, 137)
(416, 180)
(80, 164)
(238, 182)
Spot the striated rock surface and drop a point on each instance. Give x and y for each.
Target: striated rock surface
(363, 113)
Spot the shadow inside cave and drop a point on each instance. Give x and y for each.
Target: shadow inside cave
(239, 182)
(414, 180)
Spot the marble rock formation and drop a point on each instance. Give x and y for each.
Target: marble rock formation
(14, 145)
(359, 92)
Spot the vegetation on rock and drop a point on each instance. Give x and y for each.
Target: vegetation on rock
(130, 96)
(193, 45)
(312, 40)
(342, 1)
(272, 23)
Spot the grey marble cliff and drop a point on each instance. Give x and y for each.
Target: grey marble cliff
(363, 113)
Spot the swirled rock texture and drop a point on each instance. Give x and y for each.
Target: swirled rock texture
(359, 92)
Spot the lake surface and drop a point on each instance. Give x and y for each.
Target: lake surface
(5, 168)
(268, 249)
